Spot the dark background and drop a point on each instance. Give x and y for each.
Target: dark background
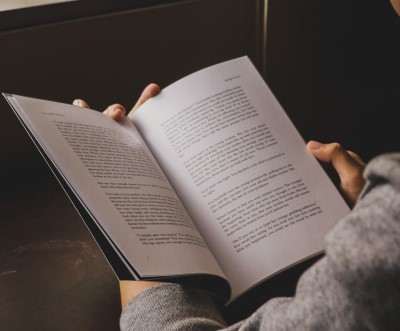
(331, 64)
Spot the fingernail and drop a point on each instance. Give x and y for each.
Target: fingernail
(314, 145)
(118, 111)
(77, 103)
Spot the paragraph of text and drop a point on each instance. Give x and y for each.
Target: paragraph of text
(272, 227)
(143, 210)
(108, 153)
(158, 239)
(206, 117)
(228, 153)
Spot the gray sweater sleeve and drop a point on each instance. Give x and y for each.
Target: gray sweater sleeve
(355, 286)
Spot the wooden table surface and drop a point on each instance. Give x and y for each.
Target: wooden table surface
(52, 274)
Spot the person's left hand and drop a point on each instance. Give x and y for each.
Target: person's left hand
(116, 111)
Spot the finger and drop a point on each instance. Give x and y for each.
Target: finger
(357, 158)
(115, 111)
(80, 103)
(150, 91)
(342, 161)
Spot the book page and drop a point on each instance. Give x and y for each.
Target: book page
(242, 171)
(117, 179)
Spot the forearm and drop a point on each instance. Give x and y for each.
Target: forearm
(171, 307)
(130, 289)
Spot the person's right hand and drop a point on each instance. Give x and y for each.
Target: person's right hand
(349, 166)
(116, 111)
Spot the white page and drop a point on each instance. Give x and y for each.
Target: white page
(219, 134)
(19, 4)
(136, 207)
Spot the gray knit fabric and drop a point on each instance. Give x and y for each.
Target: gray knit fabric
(355, 286)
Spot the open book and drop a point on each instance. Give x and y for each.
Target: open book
(209, 182)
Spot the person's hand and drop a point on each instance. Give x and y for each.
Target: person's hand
(396, 6)
(116, 111)
(348, 165)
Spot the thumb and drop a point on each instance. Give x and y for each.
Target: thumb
(348, 165)
(150, 91)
